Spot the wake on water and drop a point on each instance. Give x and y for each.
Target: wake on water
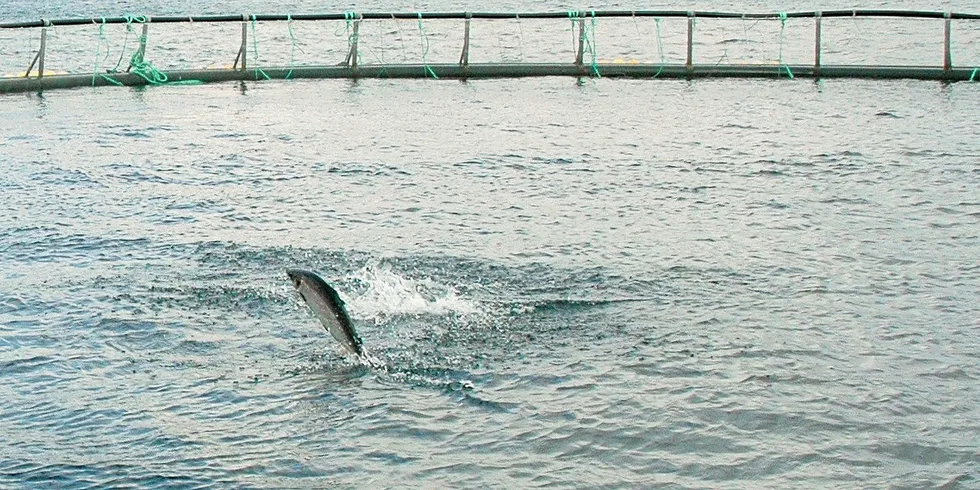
(432, 324)
(378, 296)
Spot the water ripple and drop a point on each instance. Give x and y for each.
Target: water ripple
(562, 285)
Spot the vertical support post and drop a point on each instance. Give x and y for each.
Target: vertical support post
(244, 40)
(947, 55)
(141, 51)
(690, 41)
(242, 51)
(143, 33)
(352, 55)
(40, 54)
(464, 57)
(816, 44)
(580, 53)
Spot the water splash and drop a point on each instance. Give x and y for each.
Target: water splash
(382, 293)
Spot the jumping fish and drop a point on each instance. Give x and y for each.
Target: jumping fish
(328, 307)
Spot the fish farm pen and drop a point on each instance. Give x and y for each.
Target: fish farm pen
(149, 50)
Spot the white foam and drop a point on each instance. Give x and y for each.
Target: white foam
(389, 294)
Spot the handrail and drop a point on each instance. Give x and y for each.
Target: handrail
(166, 19)
(351, 68)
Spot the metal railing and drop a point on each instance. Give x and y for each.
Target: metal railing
(350, 68)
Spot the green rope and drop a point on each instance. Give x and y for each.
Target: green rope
(592, 47)
(122, 52)
(349, 18)
(144, 69)
(96, 71)
(147, 71)
(660, 44)
(138, 64)
(973, 76)
(588, 38)
(255, 51)
(425, 49)
(108, 79)
(782, 31)
(292, 49)
(98, 47)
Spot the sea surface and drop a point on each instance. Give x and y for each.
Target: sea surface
(592, 283)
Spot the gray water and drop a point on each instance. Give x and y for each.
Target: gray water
(573, 284)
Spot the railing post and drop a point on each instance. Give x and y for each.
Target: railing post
(242, 52)
(40, 53)
(352, 54)
(580, 54)
(143, 37)
(947, 55)
(816, 44)
(244, 41)
(690, 41)
(141, 51)
(464, 57)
